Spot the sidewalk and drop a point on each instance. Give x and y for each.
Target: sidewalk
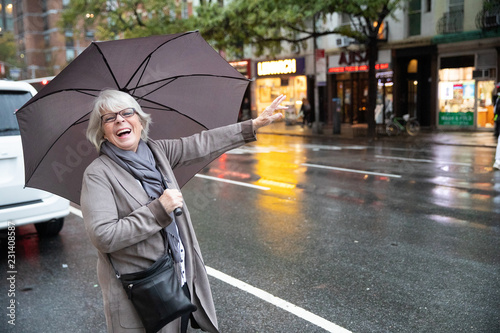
(358, 132)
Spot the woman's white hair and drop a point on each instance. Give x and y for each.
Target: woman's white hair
(113, 101)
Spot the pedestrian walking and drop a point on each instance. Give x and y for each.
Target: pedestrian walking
(496, 118)
(245, 109)
(496, 164)
(128, 197)
(496, 111)
(305, 109)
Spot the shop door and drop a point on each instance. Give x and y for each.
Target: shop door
(344, 91)
(485, 101)
(363, 102)
(412, 98)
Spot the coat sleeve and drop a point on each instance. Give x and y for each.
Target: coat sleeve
(108, 230)
(207, 145)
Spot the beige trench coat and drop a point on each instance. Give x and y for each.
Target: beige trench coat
(120, 221)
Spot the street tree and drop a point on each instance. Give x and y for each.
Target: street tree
(126, 18)
(268, 26)
(8, 54)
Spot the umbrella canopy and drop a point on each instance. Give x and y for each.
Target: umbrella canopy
(179, 79)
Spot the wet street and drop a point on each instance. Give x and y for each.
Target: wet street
(308, 235)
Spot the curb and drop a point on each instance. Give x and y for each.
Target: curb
(451, 138)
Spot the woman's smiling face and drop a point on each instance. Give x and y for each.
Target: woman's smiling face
(124, 133)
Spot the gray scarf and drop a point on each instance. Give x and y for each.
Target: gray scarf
(142, 166)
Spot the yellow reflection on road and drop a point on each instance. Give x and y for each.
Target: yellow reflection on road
(280, 213)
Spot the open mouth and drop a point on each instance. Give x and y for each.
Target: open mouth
(123, 132)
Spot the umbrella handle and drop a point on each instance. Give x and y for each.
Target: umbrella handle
(177, 211)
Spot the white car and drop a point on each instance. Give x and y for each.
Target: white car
(19, 205)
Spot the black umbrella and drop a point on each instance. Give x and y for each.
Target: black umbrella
(179, 79)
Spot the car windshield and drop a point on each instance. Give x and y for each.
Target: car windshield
(10, 101)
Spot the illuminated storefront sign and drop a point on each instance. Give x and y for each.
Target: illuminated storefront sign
(456, 118)
(276, 67)
(242, 66)
(360, 68)
(348, 58)
(357, 61)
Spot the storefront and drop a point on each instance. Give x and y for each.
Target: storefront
(244, 67)
(466, 90)
(276, 77)
(385, 97)
(348, 81)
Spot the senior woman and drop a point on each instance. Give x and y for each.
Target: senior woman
(129, 193)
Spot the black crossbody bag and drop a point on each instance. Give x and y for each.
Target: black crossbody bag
(156, 293)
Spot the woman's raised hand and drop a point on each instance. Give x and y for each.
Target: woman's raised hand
(268, 115)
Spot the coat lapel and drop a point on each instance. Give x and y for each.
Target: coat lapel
(163, 165)
(131, 185)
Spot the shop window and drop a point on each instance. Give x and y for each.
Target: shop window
(267, 89)
(485, 104)
(456, 96)
(383, 109)
(412, 97)
(413, 66)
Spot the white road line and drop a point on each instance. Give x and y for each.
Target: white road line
(75, 211)
(351, 170)
(420, 160)
(299, 312)
(276, 301)
(233, 182)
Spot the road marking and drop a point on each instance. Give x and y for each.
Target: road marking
(233, 182)
(75, 211)
(276, 301)
(351, 170)
(326, 147)
(420, 160)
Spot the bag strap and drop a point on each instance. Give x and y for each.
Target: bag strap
(165, 243)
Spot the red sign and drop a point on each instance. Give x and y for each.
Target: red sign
(352, 57)
(361, 68)
(320, 53)
(242, 66)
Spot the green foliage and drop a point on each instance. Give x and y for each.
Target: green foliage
(8, 51)
(125, 19)
(265, 24)
(262, 24)
(7, 47)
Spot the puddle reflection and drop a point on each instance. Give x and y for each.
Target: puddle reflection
(280, 211)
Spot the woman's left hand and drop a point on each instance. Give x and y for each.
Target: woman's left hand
(268, 115)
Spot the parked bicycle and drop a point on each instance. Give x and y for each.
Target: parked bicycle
(396, 125)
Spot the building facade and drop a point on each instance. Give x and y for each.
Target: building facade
(6, 16)
(43, 46)
(438, 62)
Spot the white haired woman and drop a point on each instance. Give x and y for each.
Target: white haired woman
(129, 193)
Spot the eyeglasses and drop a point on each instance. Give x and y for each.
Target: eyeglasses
(111, 117)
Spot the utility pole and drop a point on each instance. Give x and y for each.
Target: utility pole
(316, 125)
